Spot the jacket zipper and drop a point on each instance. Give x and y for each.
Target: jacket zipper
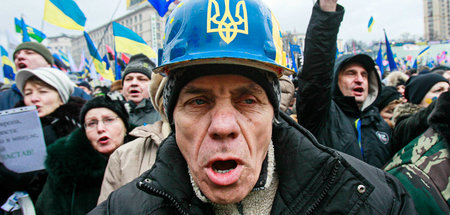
(146, 187)
(325, 191)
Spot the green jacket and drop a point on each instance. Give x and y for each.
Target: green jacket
(423, 166)
(75, 172)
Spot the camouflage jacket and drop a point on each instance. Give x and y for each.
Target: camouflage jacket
(423, 167)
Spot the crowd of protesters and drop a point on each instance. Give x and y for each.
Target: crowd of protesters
(385, 135)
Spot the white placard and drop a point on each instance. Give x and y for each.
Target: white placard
(22, 144)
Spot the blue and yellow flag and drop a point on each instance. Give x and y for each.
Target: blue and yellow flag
(162, 6)
(64, 13)
(423, 52)
(64, 58)
(97, 60)
(370, 25)
(9, 70)
(32, 32)
(129, 42)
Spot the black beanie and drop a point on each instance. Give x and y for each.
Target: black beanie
(38, 48)
(180, 77)
(106, 102)
(388, 94)
(417, 87)
(139, 63)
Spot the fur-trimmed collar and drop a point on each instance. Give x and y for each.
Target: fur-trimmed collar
(72, 159)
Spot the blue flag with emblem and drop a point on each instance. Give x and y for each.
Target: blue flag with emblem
(32, 32)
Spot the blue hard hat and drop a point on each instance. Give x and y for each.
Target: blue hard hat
(222, 32)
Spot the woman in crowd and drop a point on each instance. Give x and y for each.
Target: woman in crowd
(76, 163)
(49, 90)
(138, 156)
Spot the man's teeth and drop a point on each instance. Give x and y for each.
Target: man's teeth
(222, 171)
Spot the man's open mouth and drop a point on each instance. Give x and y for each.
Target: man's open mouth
(22, 66)
(224, 166)
(224, 172)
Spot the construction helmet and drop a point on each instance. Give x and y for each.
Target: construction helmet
(222, 32)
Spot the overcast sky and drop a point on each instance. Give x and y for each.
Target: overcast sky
(396, 16)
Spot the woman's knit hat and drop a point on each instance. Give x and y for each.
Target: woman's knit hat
(38, 48)
(417, 87)
(106, 102)
(53, 77)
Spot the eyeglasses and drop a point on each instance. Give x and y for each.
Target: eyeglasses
(94, 123)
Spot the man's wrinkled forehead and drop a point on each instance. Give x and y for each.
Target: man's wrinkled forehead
(249, 88)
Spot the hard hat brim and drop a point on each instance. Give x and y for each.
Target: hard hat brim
(276, 69)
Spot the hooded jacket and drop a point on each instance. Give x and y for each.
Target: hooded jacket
(321, 107)
(312, 180)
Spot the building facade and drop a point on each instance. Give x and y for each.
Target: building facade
(436, 19)
(144, 21)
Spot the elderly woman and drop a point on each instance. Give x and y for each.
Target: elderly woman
(76, 163)
(49, 90)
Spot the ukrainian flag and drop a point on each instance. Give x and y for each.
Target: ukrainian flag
(97, 60)
(129, 42)
(9, 70)
(32, 32)
(370, 25)
(64, 13)
(64, 58)
(423, 52)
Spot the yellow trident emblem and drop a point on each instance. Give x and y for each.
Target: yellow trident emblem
(227, 27)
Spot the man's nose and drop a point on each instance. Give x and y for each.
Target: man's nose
(359, 78)
(223, 123)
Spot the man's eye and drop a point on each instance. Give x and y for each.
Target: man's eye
(199, 101)
(249, 101)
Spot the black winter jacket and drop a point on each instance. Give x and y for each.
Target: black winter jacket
(321, 107)
(312, 180)
(75, 173)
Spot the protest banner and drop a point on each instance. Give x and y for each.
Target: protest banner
(22, 145)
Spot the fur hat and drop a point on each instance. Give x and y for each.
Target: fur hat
(106, 102)
(139, 63)
(38, 48)
(53, 77)
(182, 76)
(417, 87)
(396, 78)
